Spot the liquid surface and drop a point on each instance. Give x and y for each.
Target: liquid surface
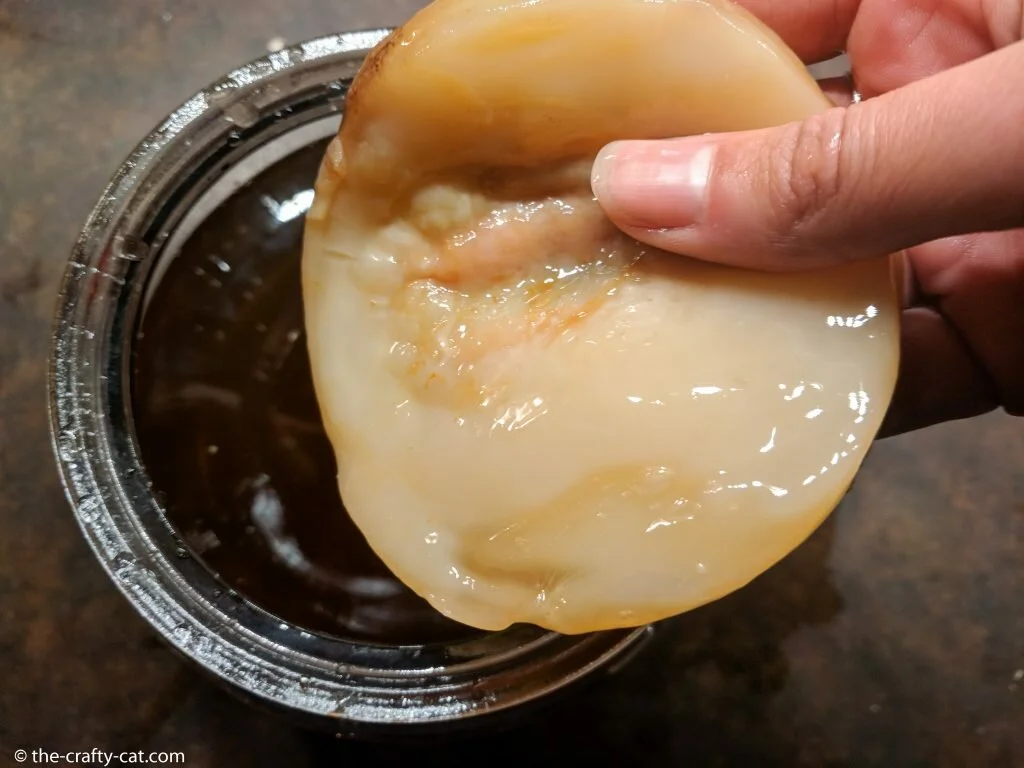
(231, 436)
(536, 418)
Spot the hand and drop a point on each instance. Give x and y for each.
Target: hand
(935, 150)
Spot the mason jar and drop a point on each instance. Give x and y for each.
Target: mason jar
(186, 433)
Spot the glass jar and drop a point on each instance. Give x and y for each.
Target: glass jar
(233, 137)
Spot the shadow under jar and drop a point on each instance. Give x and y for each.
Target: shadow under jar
(188, 437)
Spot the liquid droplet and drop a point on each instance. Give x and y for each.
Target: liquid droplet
(88, 508)
(240, 113)
(125, 567)
(183, 634)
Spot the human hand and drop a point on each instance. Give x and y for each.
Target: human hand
(933, 155)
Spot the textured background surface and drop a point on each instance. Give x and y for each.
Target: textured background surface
(895, 637)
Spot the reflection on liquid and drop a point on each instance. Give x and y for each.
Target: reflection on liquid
(853, 321)
(230, 432)
(290, 208)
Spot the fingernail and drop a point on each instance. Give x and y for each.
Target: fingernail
(654, 184)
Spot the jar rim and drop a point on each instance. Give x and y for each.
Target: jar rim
(358, 688)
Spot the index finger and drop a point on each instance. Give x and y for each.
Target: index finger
(816, 30)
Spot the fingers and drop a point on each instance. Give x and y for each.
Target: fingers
(895, 44)
(933, 352)
(815, 29)
(940, 157)
(977, 283)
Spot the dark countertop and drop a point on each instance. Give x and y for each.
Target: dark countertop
(894, 637)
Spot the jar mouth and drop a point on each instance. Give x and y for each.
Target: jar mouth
(222, 136)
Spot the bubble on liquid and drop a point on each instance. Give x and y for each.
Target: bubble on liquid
(218, 262)
(234, 139)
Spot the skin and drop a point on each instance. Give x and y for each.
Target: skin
(929, 163)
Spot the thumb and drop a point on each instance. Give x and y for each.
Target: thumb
(942, 156)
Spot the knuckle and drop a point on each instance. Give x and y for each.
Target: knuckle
(805, 172)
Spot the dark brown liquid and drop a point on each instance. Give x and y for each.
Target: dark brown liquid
(230, 432)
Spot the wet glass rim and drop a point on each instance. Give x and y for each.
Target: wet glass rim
(356, 687)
